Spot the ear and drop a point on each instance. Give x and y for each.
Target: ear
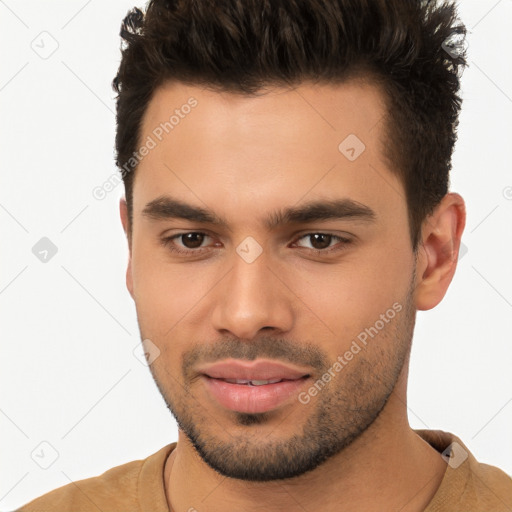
(123, 210)
(438, 252)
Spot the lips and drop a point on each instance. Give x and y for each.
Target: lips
(253, 371)
(253, 382)
(252, 387)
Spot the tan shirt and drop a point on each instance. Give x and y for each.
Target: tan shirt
(138, 486)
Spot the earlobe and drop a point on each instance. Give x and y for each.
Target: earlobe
(438, 254)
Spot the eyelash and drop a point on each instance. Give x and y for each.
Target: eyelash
(167, 242)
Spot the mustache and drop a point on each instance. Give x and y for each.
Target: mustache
(280, 349)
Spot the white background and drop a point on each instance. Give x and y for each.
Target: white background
(68, 375)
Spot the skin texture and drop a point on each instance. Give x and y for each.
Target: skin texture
(350, 447)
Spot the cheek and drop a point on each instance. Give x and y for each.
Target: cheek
(351, 296)
(158, 290)
(168, 295)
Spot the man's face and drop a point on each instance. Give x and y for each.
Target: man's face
(331, 297)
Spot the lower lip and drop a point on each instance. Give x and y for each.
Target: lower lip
(252, 399)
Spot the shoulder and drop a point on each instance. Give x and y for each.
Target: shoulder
(492, 486)
(468, 484)
(117, 483)
(117, 489)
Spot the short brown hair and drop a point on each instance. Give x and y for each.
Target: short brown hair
(240, 46)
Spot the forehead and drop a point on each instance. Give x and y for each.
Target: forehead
(279, 146)
(356, 105)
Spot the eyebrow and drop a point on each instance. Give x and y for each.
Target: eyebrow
(166, 207)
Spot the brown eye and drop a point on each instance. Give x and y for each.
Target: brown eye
(192, 240)
(186, 243)
(322, 242)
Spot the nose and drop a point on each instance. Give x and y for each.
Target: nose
(251, 298)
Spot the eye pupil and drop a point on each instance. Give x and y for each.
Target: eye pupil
(192, 240)
(315, 238)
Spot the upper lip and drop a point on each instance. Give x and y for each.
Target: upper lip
(252, 370)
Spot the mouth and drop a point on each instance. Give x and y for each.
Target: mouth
(253, 387)
(253, 371)
(253, 396)
(254, 382)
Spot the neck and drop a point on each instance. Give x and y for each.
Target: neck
(388, 467)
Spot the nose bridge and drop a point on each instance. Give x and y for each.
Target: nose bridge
(251, 297)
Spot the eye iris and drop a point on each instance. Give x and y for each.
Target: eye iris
(315, 239)
(192, 240)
